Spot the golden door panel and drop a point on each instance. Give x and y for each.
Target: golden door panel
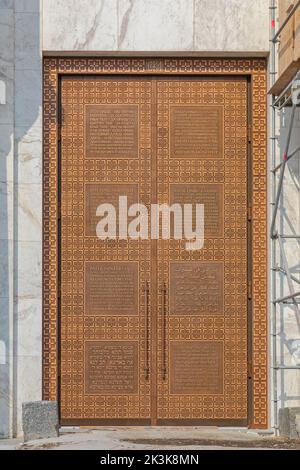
(202, 316)
(150, 329)
(105, 153)
(76, 344)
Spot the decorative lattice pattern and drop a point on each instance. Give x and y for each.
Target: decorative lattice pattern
(232, 95)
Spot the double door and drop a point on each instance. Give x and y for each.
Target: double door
(151, 332)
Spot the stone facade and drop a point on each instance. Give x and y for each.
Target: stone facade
(31, 28)
(156, 26)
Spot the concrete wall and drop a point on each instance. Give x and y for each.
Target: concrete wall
(29, 28)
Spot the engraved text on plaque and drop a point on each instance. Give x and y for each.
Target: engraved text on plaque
(196, 367)
(211, 196)
(196, 131)
(111, 288)
(111, 131)
(111, 367)
(196, 288)
(98, 193)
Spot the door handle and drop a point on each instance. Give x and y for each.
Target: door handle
(147, 310)
(164, 331)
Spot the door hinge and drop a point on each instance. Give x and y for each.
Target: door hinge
(249, 213)
(249, 290)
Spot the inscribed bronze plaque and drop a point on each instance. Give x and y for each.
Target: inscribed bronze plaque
(196, 288)
(111, 288)
(111, 131)
(98, 193)
(196, 131)
(111, 367)
(211, 196)
(196, 367)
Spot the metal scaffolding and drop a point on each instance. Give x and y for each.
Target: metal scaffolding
(292, 297)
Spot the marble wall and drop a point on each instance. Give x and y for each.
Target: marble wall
(20, 210)
(156, 25)
(29, 28)
(6, 216)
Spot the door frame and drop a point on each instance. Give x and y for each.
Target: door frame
(256, 71)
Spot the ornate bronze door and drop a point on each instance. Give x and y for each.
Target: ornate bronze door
(149, 331)
(202, 315)
(106, 151)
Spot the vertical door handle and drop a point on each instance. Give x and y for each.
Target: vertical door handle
(147, 311)
(164, 331)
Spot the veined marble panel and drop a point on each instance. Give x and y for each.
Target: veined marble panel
(6, 211)
(86, 25)
(5, 398)
(6, 35)
(6, 153)
(156, 25)
(28, 98)
(27, 5)
(235, 25)
(29, 150)
(29, 383)
(28, 207)
(29, 273)
(29, 312)
(27, 41)
(6, 249)
(6, 4)
(7, 109)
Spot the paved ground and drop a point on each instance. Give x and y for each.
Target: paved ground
(146, 438)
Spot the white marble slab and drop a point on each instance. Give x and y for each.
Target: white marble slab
(6, 153)
(235, 25)
(28, 383)
(6, 35)
(27, 41)
(28, 98)
(28, 5)
(156, 25)
(29, 312)
(28, 277)
(29, 151)
(28, 208)
(6, 249)
(72, 25)
(6, 211)
(7, 109)
(5, 367)
(6, 75)
(5, 398)
(6, 4)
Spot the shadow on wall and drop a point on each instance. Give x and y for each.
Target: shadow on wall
(288, 319)
(20, 70)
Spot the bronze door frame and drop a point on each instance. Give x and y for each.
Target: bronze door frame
(255, 69)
